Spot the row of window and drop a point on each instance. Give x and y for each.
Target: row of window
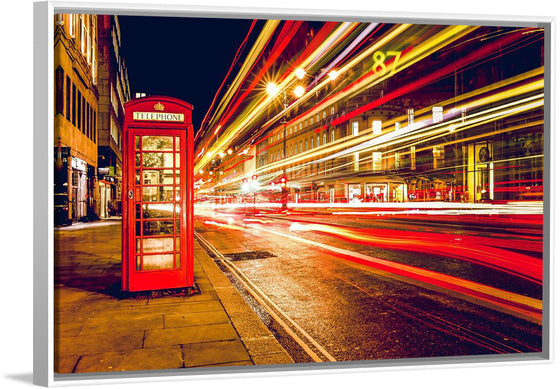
(301, 125)
(304, 145)
(70, 103)
(83, 28)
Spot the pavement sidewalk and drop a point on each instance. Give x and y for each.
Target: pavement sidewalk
(96, 330)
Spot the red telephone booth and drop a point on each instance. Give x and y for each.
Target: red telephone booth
(157, 194)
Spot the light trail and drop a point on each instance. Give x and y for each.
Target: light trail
(352, 146)
(518, 305)
(448, 245)
(253, 111)
(393, 208)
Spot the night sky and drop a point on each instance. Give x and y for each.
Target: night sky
(186, 58)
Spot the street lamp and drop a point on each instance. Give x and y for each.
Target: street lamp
(300, 73)
(272, 89)
(299, 91)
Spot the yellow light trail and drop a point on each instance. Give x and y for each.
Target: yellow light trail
(450, 34)
(258, 107)
(346, 142)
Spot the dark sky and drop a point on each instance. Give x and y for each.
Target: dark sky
(186, 58)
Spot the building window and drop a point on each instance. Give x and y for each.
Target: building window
(94, 62)
(318, 141)
(114, 131)
(85, 38)
(317, 117)
(300, 126)
(311, 120)
(355, 128)
(295, 149)
(325, 137)
(79, 109)
(68, 97)
(397, 164)
(324, 114)
(376, 127)
(439, 156)
(83, 114)
(94, 126)
(413, 157)
(332, 110)
(311, 142)
(59, 90)
(332, 136)
(306, 145)
(377, 160)
(300, 146)
(87, 120)
(74, 104)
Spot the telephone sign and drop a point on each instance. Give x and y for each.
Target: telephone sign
(157, 244)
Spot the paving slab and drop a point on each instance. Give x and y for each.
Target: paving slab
(193, 334)
(211, 353)
(99, 330)
(156, 358)
(122, 322)
(85, 344)
(195, 319)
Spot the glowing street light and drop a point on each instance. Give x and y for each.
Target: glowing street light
(299, 91)
(300, 73)
(272, 89)
(333, 74)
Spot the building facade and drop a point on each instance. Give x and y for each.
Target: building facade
(462, 125)
(75, 118)
(114, 91)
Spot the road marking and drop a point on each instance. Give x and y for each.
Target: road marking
(529, 307)
(280, 316)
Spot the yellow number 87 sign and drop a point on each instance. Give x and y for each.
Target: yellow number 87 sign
(379, 58)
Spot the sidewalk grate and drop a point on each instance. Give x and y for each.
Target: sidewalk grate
(249, 255)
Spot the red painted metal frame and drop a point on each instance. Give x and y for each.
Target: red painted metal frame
(133, 280)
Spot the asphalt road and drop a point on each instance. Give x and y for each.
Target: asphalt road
(315, 267)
